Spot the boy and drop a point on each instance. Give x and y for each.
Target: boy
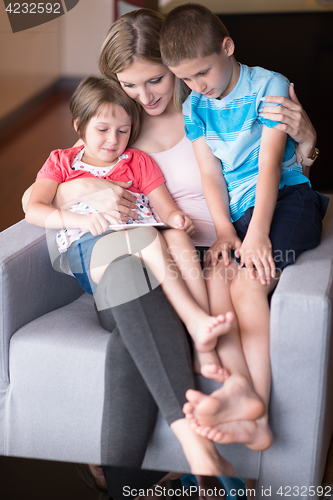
(274, 213)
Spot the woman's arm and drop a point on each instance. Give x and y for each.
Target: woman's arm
(40, 213)
(295, 122)
(217, 199)
(256, 249)
(105, 196)
(163, 203)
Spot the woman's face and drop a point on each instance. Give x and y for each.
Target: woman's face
(149, 84)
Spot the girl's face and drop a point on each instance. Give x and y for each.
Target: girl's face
(106, 136)
(149, 84)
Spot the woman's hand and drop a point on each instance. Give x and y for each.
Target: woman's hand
(110, 197)
(295, 121)
(256, 250)
(181, 221)
(222, 246)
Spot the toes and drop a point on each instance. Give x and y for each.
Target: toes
(188, 409)
(215, 372)
(194, 397)
(229, 317)
(210, 368)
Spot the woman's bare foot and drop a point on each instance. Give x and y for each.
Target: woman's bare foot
(209, 365)
(200, 452)
(235, 400)
(205, 329)
(256, 435)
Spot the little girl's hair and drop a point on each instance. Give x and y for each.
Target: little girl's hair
(94, 93)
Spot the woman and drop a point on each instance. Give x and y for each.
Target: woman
(131, 54)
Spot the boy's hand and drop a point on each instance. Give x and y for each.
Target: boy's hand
(256, 250)
(97, 223)
(183, 222)
(222, 246)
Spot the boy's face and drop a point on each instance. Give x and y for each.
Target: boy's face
(214, 76)
(106, 136)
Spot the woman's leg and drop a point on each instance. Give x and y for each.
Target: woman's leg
(156, 342)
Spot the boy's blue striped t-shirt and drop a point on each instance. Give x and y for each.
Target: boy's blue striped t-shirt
(232, 127)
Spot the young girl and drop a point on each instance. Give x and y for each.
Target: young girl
(106, 119)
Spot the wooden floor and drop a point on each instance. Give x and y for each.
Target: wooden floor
(23, 150)
(25, 147)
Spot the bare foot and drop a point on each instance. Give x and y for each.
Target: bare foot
(235, 400)
(205, 329)
(200, 452)
(256, 435)
(215, 372)
(209, 365)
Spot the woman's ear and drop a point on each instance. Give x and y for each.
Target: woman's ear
(75, 124)
(228, 46)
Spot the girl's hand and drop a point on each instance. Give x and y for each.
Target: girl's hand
(222, 246)
(183, 222)
(256, 250)
(97, 223)
(295, 121)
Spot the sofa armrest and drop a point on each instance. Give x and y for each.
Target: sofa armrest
(301, 358)
(29, 286)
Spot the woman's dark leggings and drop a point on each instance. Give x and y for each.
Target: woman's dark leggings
(148, 361)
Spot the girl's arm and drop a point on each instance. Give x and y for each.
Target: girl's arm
(168, 211)
(40, 213)
(295, 122)
(256, 249)
(217, 199)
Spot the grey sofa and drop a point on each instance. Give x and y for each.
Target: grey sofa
(53, 369)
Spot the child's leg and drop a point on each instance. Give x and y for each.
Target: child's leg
(237, 399)
(158, 351)
(151, 247)
(186, 258)
(250, 299)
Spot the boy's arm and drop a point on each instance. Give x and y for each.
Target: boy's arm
(256, 249)
(40, 213)
(217, 199)
(168, 211)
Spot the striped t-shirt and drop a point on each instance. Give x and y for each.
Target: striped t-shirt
(232, 127)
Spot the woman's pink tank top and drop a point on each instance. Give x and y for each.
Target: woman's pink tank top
(183, 180)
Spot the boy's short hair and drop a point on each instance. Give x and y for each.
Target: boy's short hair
(190, 31)
(94, 93)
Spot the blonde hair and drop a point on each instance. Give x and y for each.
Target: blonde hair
(92, 94)
(190, 31)
(134, 35)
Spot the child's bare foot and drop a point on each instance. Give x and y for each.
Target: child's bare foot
(235, 400)
(256, 435)
(205, 329)
(200, 452)
(209, 365)
(215, 372)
